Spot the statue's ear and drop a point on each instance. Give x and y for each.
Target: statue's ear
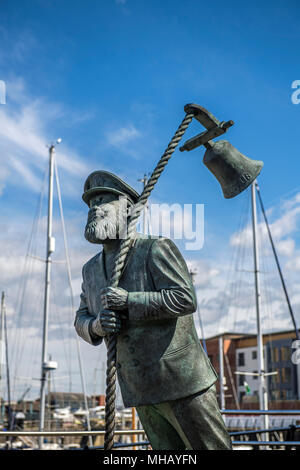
(130, 208)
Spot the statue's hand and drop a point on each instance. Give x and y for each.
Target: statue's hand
(110, 321)
(114, 298)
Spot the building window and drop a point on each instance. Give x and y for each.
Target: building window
(275, 354)
(285, 375)
(241, 359)
(241, 380)
(275, 395)
(284, 353)
(254, 376)
(254, 354)
(273, 379)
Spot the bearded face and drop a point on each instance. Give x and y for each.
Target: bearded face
(106, 220)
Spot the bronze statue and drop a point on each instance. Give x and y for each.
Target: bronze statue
(162, 368)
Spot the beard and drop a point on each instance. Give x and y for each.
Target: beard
(102, 225)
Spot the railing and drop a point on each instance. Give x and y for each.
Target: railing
(260, 412)
(125, 432)
(129, 432)
(263, 443)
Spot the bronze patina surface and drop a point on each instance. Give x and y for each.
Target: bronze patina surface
(161, 365)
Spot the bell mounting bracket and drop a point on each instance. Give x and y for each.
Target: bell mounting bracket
(214, 127)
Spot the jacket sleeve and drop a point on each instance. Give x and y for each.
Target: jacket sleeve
(174, 293)
(83, 319)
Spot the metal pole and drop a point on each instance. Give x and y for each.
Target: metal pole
(50, 250)
(221, 372)
(10, 413)
(232, 382)
(263, 399)
(2, 351)
(278, 264)
(88, 422)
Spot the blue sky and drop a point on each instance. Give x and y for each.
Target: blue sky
(111, 79)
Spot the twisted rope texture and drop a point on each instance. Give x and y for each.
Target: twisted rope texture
(117, 272)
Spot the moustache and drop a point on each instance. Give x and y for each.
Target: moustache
(101, 225)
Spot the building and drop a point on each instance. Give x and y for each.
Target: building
(247, 362)
(285, 385)
(241, 355)
(230, 365)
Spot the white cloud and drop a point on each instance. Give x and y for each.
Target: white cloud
(123, 135)
(293, 264)
(24, 134)
(225, 300)
(127, 140)
(284, 225)
(286, 247)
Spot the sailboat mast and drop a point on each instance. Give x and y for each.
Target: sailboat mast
(50, 250)
(221, 372)
(2, 350)
(263, 399)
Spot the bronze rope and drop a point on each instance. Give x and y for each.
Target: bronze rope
(116, 274)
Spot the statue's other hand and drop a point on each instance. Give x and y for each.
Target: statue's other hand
(110, 321)
(114, 298)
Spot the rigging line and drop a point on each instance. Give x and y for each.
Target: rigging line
(72, 297)
(68, 359)
(266, 304)
(24, 342)
(247, 284)
(10, 416)
(277, 263)
(27, 269)
(284, 195)
(35, 223)
(67, 353)
(31, 278)
(240, 261)
(229, 280)
(267, 290)
(29, 371)
(240, 258)
(63, 338)
(238, 282)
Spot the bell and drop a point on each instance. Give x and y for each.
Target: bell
(233, 170)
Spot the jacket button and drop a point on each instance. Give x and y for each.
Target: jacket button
(136, 362)
(131, 349)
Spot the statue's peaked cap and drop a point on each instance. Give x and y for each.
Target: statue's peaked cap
(103, 181)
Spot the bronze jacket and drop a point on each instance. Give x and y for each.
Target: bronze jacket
(159, 355)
